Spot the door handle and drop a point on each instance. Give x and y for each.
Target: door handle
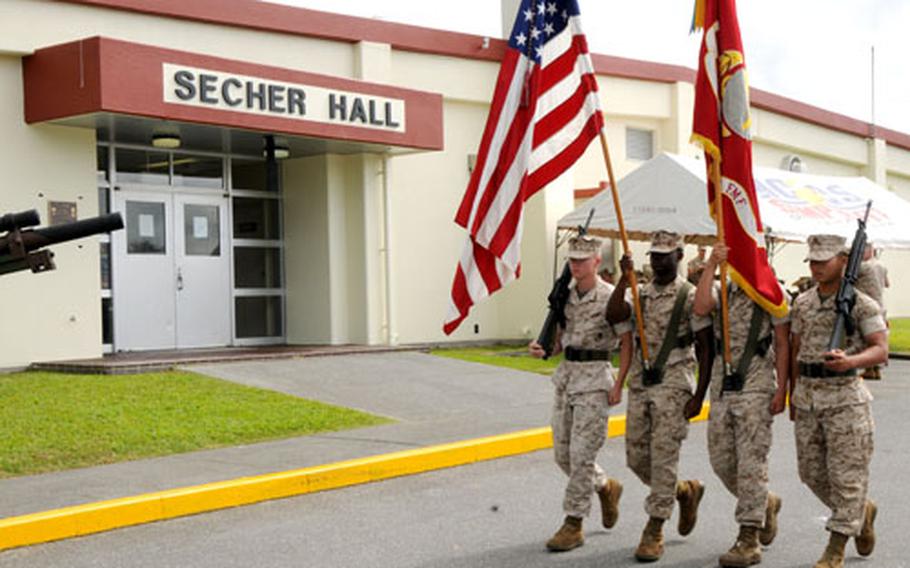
(179, 280)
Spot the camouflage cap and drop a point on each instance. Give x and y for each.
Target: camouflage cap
(584, 247)
(665, 241)
(825, 247)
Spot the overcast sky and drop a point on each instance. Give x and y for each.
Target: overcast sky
(814, 51)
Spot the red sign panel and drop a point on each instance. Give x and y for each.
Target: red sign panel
(105, 75)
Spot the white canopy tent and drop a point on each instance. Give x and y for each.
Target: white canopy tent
(669, 192)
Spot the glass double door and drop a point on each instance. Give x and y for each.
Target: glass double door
(171, 270)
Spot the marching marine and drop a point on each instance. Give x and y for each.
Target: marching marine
(743, 404)
(661, 394)
(581, 382)
(873, 279)
(831, 405)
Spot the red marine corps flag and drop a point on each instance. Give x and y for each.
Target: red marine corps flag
(722, 126)
(544, 113)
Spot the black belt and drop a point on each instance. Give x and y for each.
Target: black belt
(584, 355)
(819, 371)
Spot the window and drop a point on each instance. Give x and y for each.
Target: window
(107, 321)
(258, 316)
(257, 267)
(142, 166)
(145, 228)
(256, 218)
(639, 144)
(198, 171)
(201, 230)
(105, 265)
(102, 159)
(258, 254)
(248, 174)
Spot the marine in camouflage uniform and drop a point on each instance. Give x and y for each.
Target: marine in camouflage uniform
(831, 405)
(742, 410)
(656, 417)
(580, 408)
(696, 266)
(872, 280)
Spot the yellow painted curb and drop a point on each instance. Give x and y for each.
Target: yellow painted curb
(106, 515)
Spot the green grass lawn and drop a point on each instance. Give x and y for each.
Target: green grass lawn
(52, 421)
(899, 336)
(511, 356)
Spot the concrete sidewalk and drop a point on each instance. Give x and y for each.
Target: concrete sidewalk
(435, 400)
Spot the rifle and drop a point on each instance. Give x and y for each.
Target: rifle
(557, 300)
(22, 248)
(846, 294)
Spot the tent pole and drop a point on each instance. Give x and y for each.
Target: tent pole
(633, 281)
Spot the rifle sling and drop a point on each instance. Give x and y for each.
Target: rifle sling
(738, 380)
(670, 335)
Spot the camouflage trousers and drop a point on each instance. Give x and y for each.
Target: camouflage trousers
(655, 428)
(739, 441)
(834, 448)
(579, 430)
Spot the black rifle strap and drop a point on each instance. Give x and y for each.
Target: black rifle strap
(751, 341)
(672, 331)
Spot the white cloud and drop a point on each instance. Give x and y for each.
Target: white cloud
(814, 51)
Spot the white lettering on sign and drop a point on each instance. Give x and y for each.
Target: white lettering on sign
(205, 88)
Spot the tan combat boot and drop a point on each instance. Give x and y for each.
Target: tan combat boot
(609, 496)
(745, 551)
(568, 536)
(651, 547)
(834, 554)
(865, 542)
(769, 531)
(689, 494)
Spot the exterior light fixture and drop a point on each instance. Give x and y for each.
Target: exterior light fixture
(280, 148)
(281, 152)
(168, 141)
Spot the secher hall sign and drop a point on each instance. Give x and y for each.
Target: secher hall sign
(206, 88)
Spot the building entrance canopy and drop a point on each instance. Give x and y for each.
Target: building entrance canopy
(669, 192)
(94, 81)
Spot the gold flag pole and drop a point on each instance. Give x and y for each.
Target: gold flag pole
(724, 307)
(633, 281)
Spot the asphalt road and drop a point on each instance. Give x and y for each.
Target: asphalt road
(499, 514)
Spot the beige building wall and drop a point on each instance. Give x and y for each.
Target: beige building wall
(51, 23)
(57, 314)
(306, 237)
(333, 260)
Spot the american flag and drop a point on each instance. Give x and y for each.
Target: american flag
(545, 112)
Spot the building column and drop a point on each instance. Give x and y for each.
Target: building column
(368, 275)
(679, 125)
(877, 164)
(509, 11)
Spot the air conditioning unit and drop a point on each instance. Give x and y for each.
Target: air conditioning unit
(793, 163)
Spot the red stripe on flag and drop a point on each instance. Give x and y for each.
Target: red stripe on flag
(561, 115)
(461, 298)
(564, 65)
(486, 266)
(555, 167)
(506, 231)
(506, 74)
